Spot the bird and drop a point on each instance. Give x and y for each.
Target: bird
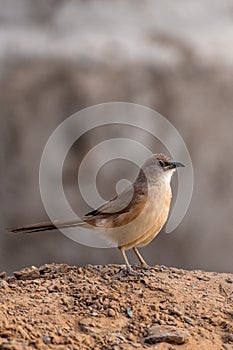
(133, 218)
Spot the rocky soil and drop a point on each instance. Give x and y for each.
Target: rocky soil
(100, 307)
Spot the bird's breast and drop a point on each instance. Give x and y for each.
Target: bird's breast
(151, 224)
(142, 222)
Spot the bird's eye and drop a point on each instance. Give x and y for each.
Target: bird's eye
(163, 164)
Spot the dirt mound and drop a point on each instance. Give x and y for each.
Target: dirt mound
(100, 307)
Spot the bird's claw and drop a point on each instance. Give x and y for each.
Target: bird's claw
(128, 271)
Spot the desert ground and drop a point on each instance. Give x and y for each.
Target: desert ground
(101, 307)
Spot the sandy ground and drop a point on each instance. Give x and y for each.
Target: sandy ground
(99, 307)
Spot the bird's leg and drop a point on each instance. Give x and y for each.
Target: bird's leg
(122, 250)
(129, 269)
(140, 258)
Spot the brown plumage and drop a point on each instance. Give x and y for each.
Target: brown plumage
(133, 218)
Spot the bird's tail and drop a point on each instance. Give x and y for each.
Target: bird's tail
(44, 226)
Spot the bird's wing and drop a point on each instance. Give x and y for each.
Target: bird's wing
(115, 205)
(119, 211)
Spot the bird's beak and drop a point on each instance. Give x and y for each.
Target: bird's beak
(175, 165)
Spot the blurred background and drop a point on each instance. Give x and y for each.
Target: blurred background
(57, 57)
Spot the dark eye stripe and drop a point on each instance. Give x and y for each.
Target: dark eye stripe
(163, 164)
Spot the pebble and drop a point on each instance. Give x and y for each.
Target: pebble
(3, 274)
(118, 335)
(167, 334)
(203, 278)
(175, 311)
(130, 337)
(46, 339)
(111, 313)
(229, 280)
(94, 314)
(188, 320)
(230, 337)
(129, 312)
(27, 274)
(3, 284)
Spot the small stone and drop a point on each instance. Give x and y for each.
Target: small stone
(203, 278)
(11, 279)
(167, 334)
(230, 337)
(64, 302)
(118, 335)
(111, 313)
(94, 314)
(175, 311)
(188, 320)
(60, 332)
(229, 280)
(130, 337)
(45, 269)
(64, 268)
(129, 312)
(153, 307)
(46, 339)
(3, 274)
(157, 316)
(27, 274)
(3, 284)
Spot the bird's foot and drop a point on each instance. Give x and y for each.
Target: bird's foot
(128, 271)
(138, 272)
(145, 266)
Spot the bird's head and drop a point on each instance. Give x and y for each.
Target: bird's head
(165, 162)
(160, 165)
